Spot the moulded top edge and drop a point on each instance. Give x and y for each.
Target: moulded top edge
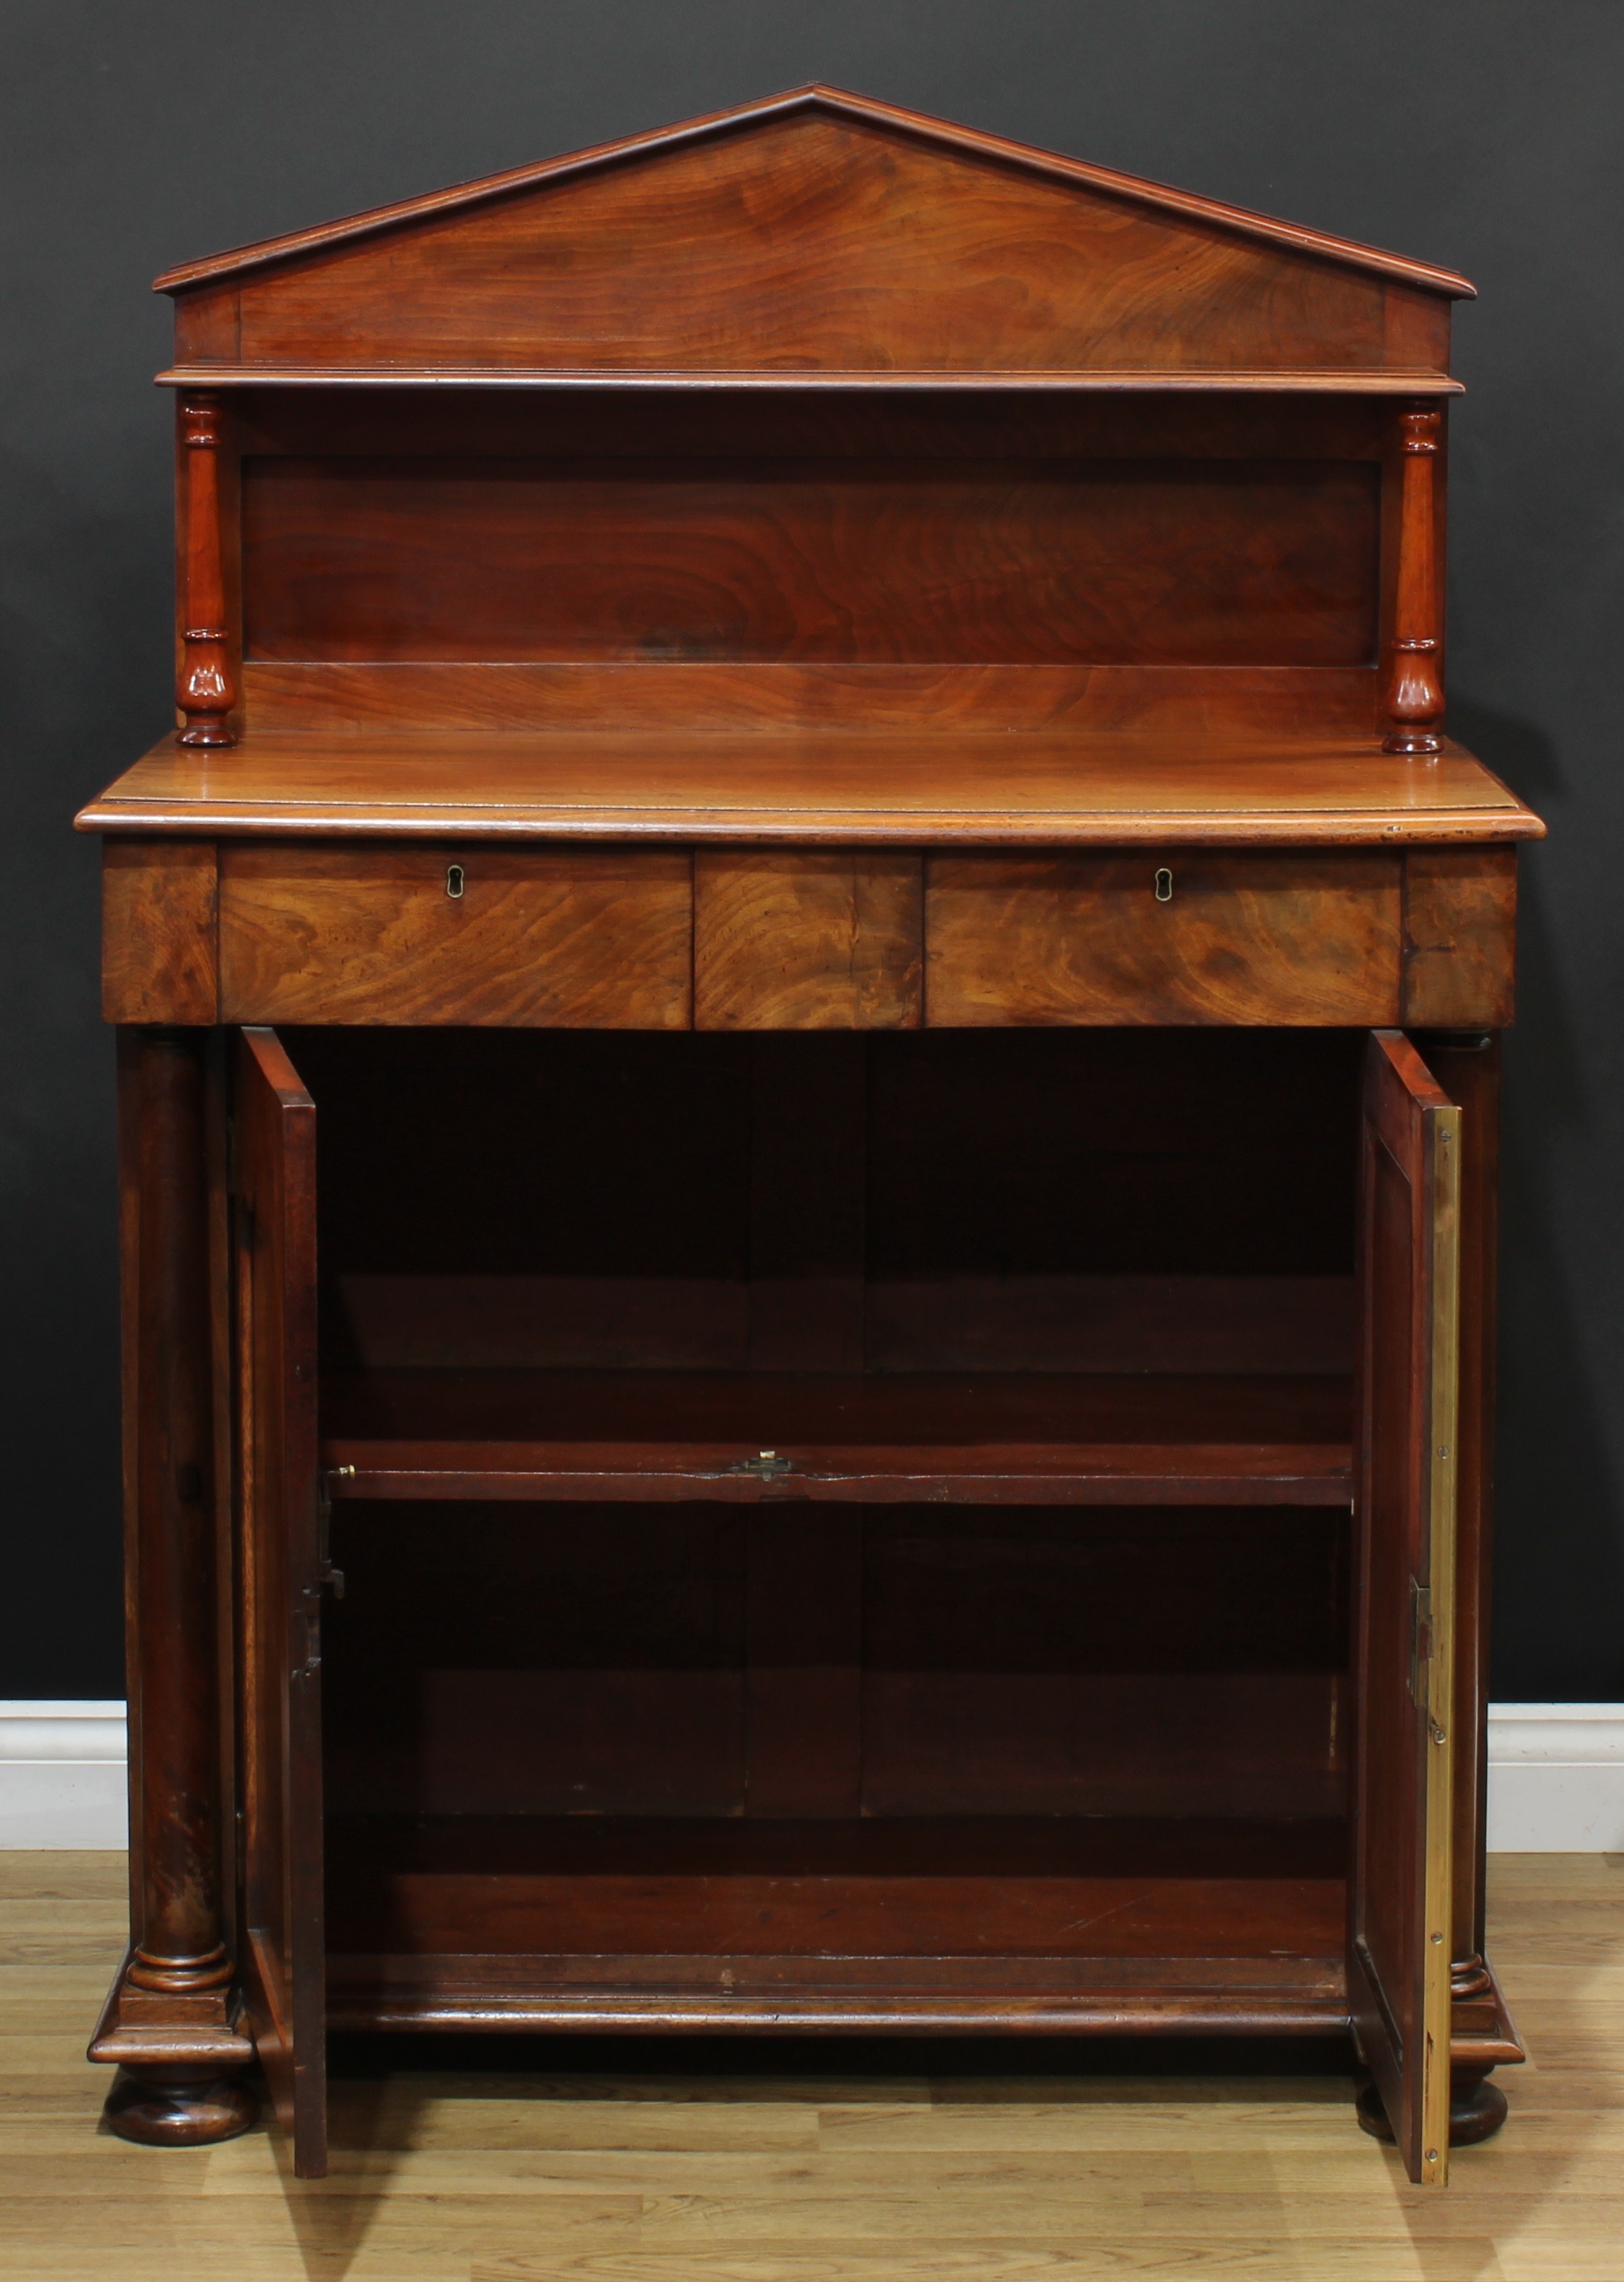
(1366, 381)
(679, 823)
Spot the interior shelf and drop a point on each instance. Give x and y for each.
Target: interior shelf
(998, 1437)
(594, 1921)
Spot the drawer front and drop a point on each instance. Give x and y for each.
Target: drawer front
(787, 941)
(1175, 935)
(580, 940)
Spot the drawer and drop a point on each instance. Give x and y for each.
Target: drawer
(1284, 937)
(789, 940)
(577, 939)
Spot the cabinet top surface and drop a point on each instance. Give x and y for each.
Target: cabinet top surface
(966, 787)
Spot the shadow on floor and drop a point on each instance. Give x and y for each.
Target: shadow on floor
(381, 2087)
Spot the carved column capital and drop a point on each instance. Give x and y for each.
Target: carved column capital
(200, 423)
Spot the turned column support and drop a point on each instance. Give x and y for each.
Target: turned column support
(181, 1950)
(207, 692)
(170, 2020)
(1412, 694)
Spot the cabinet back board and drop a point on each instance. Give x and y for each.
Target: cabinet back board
(819, 553)
(960, 1663)
(1146, 1151)
(839, 561)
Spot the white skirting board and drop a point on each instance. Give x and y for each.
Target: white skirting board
(1556, 1776)
(62, 1774)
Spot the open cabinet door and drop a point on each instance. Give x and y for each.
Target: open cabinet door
(281, 1586)
(1404, 1497)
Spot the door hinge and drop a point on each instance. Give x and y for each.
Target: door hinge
(311, 1597)
(330, 1580)
(1420, 1646)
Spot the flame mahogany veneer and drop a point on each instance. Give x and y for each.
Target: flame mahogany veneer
(838, 1375)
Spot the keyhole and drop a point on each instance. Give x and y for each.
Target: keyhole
(1164, 886)
(455, 880)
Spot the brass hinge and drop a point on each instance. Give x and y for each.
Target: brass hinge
(310, 1598)
(1420, 1646)
(766, 1466)
(331, 1578)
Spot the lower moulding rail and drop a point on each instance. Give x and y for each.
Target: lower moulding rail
(1308, 1999)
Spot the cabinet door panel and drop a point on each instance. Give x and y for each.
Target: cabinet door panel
(280, 1568)
(1405, 1473)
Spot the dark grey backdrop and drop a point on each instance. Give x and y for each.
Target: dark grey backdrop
(1478, 133)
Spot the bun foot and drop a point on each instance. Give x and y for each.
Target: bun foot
(177, 2107)
(1477, 2110)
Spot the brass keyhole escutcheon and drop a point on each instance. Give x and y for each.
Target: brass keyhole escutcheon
(1164, 886)
(456, 881)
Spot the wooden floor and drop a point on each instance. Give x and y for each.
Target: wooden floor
(644, 2165)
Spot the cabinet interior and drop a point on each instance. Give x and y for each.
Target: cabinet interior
(1028, 1643)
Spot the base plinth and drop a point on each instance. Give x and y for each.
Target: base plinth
(178, 2107)
(1477, 2110)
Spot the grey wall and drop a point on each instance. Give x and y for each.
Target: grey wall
(1478, 133)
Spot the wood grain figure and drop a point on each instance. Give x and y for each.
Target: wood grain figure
(1460, 934)
(806, 942)
(159, 932)
(977, 787)
(1155, 562)
(449, 935)
(1171, 935)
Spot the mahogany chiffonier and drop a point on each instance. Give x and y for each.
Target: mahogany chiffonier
(808, 1020)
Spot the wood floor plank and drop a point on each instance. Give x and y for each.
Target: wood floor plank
(608, 2171)
(83, 1875)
